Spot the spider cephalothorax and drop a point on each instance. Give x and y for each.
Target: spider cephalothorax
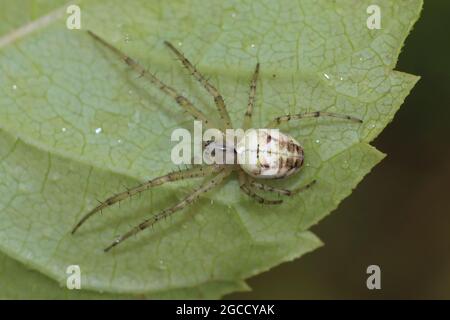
(258, 154)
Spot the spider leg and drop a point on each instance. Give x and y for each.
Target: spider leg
(195, 172)
(251, 99)
(206, 186)
(185, 103)
(315, 114)
(218, 99)
(247, 188)
(285, 192)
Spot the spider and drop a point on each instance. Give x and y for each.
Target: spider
(267, 164)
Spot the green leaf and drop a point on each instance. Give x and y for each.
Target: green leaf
(19, 282)
(15, 14)
(58, 87)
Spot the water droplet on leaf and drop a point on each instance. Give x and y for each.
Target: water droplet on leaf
(162, 266)
(55, 176)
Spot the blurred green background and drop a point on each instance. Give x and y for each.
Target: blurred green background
(399, 216)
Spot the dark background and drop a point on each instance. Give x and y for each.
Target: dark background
(399, 216)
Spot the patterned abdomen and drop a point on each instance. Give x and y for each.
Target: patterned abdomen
(269, 154)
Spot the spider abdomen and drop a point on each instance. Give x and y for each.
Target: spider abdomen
(269, 154)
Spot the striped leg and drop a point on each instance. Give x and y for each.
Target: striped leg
(181, 100)
(251, 99)
(315, 114)
(285, 192)
(218, 99)
(195, 172)
(205, 187)
(247, 188)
